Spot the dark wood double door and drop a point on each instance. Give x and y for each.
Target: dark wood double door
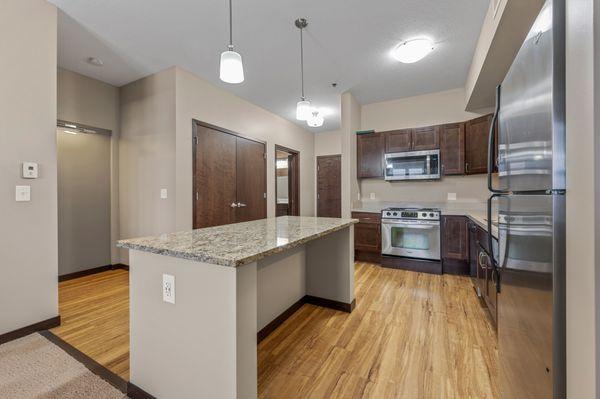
(229, 177)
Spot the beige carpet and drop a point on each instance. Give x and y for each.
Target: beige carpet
(33, 367)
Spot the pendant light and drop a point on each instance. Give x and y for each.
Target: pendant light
(316, 119)
(232, 69)
(303, 109)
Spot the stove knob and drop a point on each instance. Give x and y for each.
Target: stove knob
(424, 214)
(388, 213)
(395, 213)
(431, 215)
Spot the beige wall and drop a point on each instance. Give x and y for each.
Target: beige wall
(28, 237)
(351, 116)
(328, 143)
(429, 109)
(582, 190)
(156, 148)
(147, 156)
(198, 99)
(94, 103)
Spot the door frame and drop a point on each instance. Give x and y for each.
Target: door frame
(294, 180)
(195, 124)
(317, 180)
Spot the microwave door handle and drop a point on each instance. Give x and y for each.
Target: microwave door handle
(492, 146)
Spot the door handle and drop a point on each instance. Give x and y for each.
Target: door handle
(240, 205)
(233, 205)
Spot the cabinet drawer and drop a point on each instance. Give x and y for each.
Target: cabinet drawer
(367, 217)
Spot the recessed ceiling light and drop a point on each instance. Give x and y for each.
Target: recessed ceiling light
(95, 61)
(412, 50)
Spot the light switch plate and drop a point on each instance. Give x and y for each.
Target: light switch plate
(29, 170)
(451, 196)
(168, 288)
(23, 193)
(164, 193)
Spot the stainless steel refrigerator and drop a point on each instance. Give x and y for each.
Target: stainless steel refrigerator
(529, 193)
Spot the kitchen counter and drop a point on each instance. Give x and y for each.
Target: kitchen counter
(240, 243)
(475, 211)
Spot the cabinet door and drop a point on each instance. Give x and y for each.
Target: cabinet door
(426, 138)
(473, 249)
(476, 138)
(369, 152)
(452, 149)
(367, 237)
(398, 140)
(455, 241)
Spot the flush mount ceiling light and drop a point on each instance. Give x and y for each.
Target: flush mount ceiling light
(316, 119)
(412, 50)
(232, 69)
(303, 109)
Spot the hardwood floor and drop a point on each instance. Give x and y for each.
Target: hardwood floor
(94, 314)
(411, 335)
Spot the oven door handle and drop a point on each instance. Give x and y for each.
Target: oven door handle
(411, 225)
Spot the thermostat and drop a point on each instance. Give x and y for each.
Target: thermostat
(30, 170)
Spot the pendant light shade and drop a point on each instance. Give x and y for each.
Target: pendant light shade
(232, 69)
(303, 110)
(315, 120)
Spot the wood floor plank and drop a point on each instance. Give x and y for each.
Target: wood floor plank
(411, 335)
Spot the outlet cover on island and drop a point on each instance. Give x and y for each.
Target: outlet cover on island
(168, 288)
(451, 196)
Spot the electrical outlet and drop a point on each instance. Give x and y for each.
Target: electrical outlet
(23, 193)
(168, 288)
(164, 193)
(372, 196)
(451, 196)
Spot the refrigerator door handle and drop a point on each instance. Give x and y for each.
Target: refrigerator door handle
(494, 262)
(492, 146)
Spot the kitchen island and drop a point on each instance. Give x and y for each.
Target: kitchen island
(233, 284)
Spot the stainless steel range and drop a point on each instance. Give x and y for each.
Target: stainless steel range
(411, 232)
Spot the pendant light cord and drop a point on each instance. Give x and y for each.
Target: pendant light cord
(230, 27)
(302, 64)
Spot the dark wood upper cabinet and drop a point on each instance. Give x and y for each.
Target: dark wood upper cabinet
(452, 149)
(476, 137)
(426, 138)
(455, 238)
(398, 140)
(369, 151)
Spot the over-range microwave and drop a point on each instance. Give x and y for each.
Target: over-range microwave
(413, 165)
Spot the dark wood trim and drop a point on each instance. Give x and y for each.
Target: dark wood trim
(92, 365)
(457, 267)
(30, 329)
(135, 392)
(366, 256)
(415, 265)
(269, 328)
(195, 124)
(294, 206)
(99, 269)
(330, 303)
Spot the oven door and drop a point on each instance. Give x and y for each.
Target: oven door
(418, 239)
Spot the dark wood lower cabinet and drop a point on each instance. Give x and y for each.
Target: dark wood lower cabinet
(485, 276)
(455, 245)
(367, 237)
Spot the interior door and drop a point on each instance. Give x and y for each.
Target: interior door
(214, 178)
(329, 186)
(251, 180)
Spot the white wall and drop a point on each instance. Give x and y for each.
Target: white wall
(424, 110)
(199, 99)
(94, 103)
(28, 236)
(582, 192)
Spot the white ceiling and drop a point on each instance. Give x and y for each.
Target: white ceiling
(347, 42)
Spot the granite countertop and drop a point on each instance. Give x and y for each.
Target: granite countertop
(240, 243)
(476, 211)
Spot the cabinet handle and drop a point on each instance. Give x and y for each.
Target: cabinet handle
(234, 205)
(240, 205)
(467, 167)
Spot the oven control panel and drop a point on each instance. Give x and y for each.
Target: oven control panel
(414, 214)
